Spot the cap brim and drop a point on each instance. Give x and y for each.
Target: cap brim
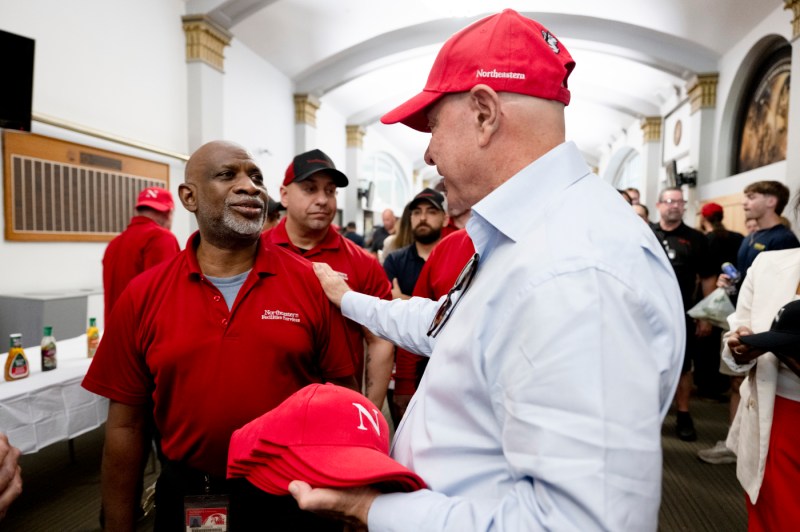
(355, 466)
(772, 340)
(417, 201)
(160, 207)
(413, 113)
(339, 179)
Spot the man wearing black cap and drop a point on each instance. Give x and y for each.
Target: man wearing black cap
(309, 195)
(427, 219)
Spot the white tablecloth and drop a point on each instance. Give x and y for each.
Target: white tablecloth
(47, 407)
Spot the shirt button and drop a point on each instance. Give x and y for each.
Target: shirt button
(752, 403)
(216, 298)
(224, 321)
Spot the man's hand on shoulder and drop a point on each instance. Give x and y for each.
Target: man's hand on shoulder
(332, 283)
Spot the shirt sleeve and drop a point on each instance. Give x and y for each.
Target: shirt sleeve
(578, 411)
(403, 322)
(389, 267)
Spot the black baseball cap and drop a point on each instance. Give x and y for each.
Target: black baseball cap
(429, 195)
(309, 163)
(783, 335)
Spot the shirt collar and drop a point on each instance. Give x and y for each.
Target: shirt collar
(261, 266)
(281, 238)
(502, 211)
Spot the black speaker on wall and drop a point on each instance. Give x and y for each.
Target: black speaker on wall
(16, 87)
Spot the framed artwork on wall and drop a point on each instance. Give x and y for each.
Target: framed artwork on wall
(762, 125)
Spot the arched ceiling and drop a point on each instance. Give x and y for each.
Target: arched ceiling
(364, 57)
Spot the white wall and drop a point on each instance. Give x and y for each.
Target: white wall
(259, 112)
(116, 67)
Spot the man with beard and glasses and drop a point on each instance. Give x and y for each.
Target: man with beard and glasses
(404, 265)
(309, 195)
(688, 252)
(206, 342)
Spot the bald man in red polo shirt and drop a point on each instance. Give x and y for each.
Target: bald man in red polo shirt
(309, 195)
(208, 341)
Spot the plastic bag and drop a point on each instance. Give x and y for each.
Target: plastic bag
(715, 307)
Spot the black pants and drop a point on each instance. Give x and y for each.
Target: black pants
(250, 507)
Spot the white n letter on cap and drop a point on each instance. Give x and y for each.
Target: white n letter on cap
(363, 412)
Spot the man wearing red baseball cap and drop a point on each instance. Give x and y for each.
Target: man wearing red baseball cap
(309, 196)
(146, 242)
(554, 357)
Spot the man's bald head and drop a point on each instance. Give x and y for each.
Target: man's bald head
(207, 154)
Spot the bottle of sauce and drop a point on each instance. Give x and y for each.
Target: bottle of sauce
(92, 337)
(17, 366)
(48, 349)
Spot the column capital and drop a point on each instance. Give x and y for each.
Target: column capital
(702, 90)
(205, 40)
(651, 128)
(305, 109)
(355, 136)
(794, 5)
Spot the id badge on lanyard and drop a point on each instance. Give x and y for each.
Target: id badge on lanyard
(206, 513)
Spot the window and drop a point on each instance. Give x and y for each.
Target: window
(392, 188)
(629, 173)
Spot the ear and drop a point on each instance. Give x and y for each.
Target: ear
(284, 199)
(187, 195)
(485, 104)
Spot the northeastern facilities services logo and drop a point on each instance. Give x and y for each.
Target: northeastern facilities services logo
(293, 317)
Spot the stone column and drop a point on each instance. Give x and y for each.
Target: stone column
(651, 161)
(305, 122)
(351, 205)
(793, 135)
(702, 90)
(205, 44)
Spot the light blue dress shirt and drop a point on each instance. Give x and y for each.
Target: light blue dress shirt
(542, 403)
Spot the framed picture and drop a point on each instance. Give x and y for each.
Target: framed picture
(764, 114)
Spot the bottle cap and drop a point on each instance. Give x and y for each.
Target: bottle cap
(48, 330)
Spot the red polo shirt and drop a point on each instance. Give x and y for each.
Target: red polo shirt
(210, 370)
(361, 270)
(437, 277)
(142, 245)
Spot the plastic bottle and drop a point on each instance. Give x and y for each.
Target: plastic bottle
(734, 275)
(17, 366)
(48, 349)
(92, 337)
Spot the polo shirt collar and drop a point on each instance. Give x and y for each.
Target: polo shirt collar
(261, 266)
(514, 207)
(332, 240)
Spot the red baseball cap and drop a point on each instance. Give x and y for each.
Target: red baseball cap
(506, 51)
(155, 198)
(711, 208)
(309, 163)
(326, 435)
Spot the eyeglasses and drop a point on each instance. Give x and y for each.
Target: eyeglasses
(447, 307)
(670, 201)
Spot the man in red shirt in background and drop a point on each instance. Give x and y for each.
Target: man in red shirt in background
(309, 195)
(146, 242)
